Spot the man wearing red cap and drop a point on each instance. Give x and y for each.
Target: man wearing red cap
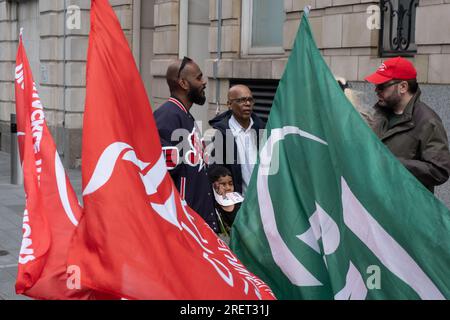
(408, 127)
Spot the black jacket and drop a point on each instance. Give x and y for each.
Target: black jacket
(230, 158)
(418, 139)
(189, 173)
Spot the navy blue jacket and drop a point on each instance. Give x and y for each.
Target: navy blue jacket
(185, 159)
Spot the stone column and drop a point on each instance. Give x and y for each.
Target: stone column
(433, 42)
(8, 48)
(165, 47)
(63, 57)
(60, 78)
(230, 50)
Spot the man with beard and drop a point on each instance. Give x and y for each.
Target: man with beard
(408, 127)
(182, 141)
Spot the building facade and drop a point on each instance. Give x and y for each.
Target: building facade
(233, 41)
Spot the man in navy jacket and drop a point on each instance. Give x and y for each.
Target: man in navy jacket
(182, 141)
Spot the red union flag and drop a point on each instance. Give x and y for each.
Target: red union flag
(138, 239)
(52, 210)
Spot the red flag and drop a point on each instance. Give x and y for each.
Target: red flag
(137, 238)
(52, 211)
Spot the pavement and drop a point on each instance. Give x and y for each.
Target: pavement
(12, 204)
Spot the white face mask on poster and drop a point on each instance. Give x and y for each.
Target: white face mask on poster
(228, 199)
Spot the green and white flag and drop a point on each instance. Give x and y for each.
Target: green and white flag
(330, 213)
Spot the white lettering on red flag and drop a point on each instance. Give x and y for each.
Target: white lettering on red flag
(138, 239)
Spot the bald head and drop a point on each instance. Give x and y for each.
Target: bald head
(185, 81)
(240, 101)
(177, 70)
(172, 75)
(237, 90)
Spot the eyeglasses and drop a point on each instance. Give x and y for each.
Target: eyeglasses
(185, 61)
(243, 100)
(384, 86)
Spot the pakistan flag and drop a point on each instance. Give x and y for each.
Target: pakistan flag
(330, 213)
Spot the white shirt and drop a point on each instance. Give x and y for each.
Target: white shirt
(246, 148)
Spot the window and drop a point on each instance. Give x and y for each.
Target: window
(397, 34)
(262, 26)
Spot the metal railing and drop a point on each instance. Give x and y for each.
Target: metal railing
(397, 34)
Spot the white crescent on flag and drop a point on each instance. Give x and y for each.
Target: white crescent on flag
(282, 255)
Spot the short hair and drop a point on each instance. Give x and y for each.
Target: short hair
(216, 172)
(413, 86)
(173, 73)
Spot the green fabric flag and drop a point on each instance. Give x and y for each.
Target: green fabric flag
(330, 213)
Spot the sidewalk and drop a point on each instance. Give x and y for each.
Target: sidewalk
(12, 203)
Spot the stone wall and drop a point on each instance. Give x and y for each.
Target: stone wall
(348, 46)
(62, 68)
(349, 50)
(63, 58)
(146, 45)
(165, 46)
(433, 40)
(8, 45)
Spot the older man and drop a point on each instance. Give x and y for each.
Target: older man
(240, 125)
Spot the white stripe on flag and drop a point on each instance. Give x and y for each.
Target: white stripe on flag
(384, 247)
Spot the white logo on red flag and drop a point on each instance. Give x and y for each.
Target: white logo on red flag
(19, 76)
(26, 251)
(137, 238)
(52, 209)
(151, 180)
(37, 119)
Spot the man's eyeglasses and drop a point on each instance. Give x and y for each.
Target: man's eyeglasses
(384, 86)
(243, 100)
(185, 61)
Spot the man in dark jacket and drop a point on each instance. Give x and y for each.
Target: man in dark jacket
(237, 143)
(182, 141)
(408, 127)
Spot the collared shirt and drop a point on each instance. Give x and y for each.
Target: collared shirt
(246, 148)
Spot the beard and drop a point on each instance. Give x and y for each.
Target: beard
(197, 96)
(390, 102)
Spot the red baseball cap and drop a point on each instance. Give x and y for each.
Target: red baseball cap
(394, 68)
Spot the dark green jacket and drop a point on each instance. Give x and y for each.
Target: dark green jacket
(418, 139)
